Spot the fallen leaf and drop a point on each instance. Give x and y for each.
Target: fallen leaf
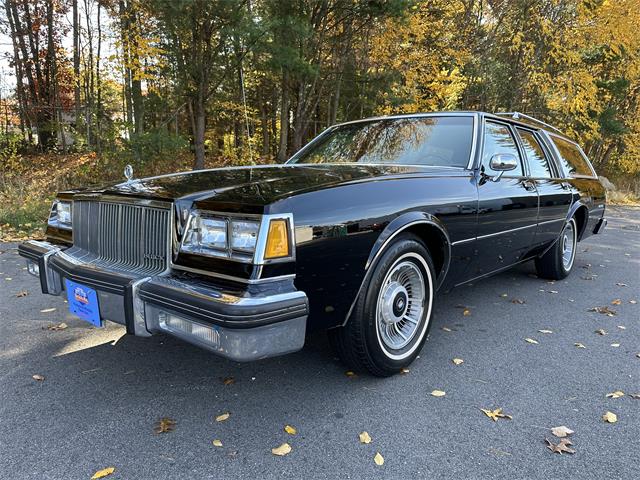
(562, 447)
(633, 302)
(105, 472)
(57, 326)
(458, 361)
(504, 295)
(290, 430)
(364, 437)
(404, 371)
(350, 374)
(438, 393)
(379, 459)
(496, 414)
(600, 331)
(635, 396)
(8, 279)
(620, 284)
(616, 301)
(217, 443)
(610, 417)
(615, 345)
(553, 291)
(164, 425)
(561, 431)
(518, 301)
(466, 312)
(282, 450)
(48, 310)
(545, 331)
(531, 340)
(638, 355)
(447, 329)
(38, 378)
(622, 327)
(579, 345)
(603, 310)
(228, 380)
(22, 293)
(222, 417)
(616, 394)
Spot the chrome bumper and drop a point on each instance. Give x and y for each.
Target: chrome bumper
(241, 324)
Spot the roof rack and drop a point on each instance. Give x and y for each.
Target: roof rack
(527, 118)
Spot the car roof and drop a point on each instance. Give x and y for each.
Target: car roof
(513, 118)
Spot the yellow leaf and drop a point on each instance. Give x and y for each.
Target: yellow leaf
(617, 301)
(404, 370)
(610, 417)
(349, 373)
(105, 472)
(164, 425)
(458, 361)
(531, 340)
(290, 430)
(616, 394)
(282, 450)
(466, 312)
(57, 326)
(217, 443)
(438, 393)
(37, 377)
(364, 437)
(222, 417)
(379, 459)
(495, 414)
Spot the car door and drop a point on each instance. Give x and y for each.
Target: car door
(554, 192)
(507, 205)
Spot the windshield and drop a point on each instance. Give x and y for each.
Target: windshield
(434, 141)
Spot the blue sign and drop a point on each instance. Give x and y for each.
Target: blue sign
(83, 302)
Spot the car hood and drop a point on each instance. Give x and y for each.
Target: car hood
(255, 186)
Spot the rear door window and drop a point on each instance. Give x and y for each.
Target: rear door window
(538, 163)
(498, 139)
(572, 158)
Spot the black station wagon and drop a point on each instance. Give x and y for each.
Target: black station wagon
(355, 234)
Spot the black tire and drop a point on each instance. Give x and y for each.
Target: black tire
(553, 264)
(360, 344)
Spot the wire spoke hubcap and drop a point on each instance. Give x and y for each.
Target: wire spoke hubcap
(401, 303)
(568, 245)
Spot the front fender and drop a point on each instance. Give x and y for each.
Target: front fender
(394, 228)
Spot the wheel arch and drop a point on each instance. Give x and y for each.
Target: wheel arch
(581, 213)
(424, 225)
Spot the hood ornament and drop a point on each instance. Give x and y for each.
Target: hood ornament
(128, 172)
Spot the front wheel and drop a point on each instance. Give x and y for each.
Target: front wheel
(557, 263)
(392, 314)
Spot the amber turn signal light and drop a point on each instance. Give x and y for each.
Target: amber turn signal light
(277, 240)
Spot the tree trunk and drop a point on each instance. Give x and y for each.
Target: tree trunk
(284, 119)
(98, 84)
(76, 63)
(198, 133)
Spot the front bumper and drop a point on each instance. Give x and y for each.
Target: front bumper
(242, 324)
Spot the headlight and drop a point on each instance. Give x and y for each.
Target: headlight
(60, 216)
(211, 235)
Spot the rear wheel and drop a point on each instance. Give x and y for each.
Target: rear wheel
(392, 314)
(557, 263)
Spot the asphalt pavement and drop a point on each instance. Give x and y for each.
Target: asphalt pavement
(104, 391)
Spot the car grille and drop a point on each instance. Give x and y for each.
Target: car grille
(120, 236)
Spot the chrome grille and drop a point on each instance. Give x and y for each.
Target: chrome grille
(120, 236)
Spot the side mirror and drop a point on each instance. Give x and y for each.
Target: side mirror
(502, 162)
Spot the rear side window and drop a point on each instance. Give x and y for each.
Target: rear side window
(498, 139)
(571, 158)
(538, 163)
